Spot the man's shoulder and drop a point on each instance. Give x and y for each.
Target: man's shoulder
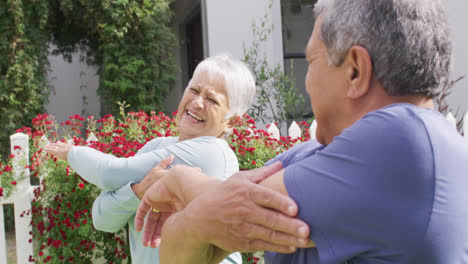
(401, 116)
(414, 125)
(402, 124)
(393, 142)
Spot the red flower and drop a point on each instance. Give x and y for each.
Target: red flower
(13, 183)
(77, 117)
(253, 162)
(81, 185)
(118, 131)
(1, 191)
(16, 147)
(12, 156)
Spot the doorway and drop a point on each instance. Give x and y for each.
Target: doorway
(194, 41)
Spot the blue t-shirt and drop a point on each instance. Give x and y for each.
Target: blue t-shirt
(392, 188)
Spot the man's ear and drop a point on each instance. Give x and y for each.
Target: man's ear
(359, 72)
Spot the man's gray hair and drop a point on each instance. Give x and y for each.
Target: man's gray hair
(238, 80)
(408, 40)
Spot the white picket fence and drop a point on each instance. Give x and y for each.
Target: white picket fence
(21, 201)
(295, 132)
(24, 194)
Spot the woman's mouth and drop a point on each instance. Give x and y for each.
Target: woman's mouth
(194, 116)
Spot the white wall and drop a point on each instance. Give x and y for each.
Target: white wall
(458, 21)
(72, 82)
(229, 25)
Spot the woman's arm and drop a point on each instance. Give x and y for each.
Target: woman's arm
(111, 173)
(105, 170)
(113, 210)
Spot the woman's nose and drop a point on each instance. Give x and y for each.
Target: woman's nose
(198, 102)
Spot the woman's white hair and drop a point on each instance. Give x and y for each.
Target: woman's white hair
(238, 80)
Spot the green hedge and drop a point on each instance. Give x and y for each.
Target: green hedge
(130, 42)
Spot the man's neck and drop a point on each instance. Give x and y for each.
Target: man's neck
(417, 100)
(378, 98)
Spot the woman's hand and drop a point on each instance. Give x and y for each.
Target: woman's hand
(59, 149)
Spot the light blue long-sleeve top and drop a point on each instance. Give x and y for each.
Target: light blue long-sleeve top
(117, 204)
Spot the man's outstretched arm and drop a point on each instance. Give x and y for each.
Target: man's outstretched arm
(236, 215)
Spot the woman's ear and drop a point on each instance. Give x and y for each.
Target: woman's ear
(360, 72)
(230, 123)
(233, 121)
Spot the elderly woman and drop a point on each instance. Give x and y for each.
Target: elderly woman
(221, 90)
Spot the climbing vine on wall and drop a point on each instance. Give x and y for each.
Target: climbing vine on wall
(130, 42)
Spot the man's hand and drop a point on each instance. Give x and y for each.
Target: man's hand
(156, 173)
(235, 215)
(158, 202)
(59, 149)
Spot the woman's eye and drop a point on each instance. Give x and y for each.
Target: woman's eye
(213, 101)
(195, 91)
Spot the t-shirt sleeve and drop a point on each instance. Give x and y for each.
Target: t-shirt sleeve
(366, 189)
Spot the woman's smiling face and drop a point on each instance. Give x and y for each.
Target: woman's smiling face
(203, 107)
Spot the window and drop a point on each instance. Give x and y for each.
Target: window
(297, 24)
